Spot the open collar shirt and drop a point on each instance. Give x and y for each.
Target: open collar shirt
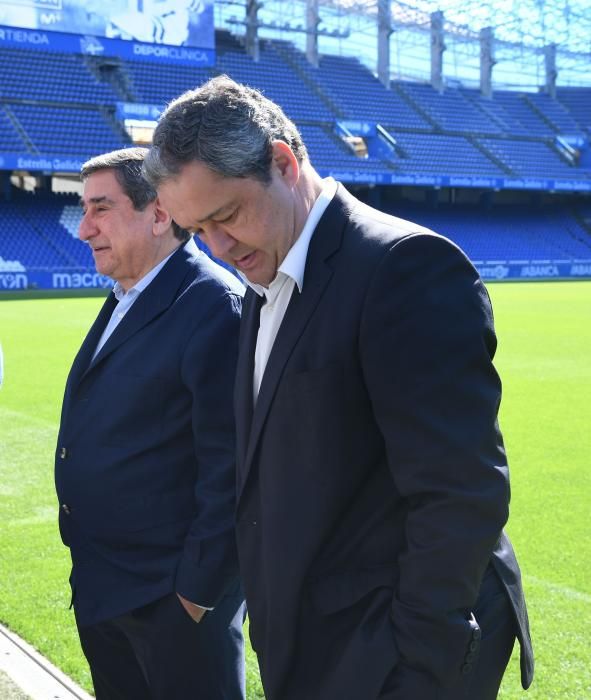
(126, 299)
(289, 275)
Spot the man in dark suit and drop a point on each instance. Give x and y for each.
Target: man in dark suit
(145, 460)
(372, 480)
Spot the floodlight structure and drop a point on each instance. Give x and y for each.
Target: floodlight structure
(521, 44)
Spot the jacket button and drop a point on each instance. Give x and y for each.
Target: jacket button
(473, 646)
(476, 634)
(66, 508)
(63, 453)
(470, 656)
(466, 668)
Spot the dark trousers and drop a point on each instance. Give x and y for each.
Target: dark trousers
(158, 652)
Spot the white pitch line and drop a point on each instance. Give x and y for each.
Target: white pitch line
(565, 591)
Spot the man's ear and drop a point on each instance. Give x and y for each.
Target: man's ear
(286, 163)
(162, 220)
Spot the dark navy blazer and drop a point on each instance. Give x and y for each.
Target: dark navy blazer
(372, 479)
(145, 459)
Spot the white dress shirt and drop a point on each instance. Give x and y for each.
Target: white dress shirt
(289, 274)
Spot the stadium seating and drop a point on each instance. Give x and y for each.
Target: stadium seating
(578, 103)
(448, 111)
(442, 155)
(64, 105)
(520, 110)
(10, 140)
(45, 75)
(530, 158)
(68, 130)
(553, 113)
(508, 233)
(329, 152)
(40, 232)
(277, 79)
(157, 84)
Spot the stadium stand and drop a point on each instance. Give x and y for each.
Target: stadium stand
(439, 153)
(578, 103)
(340, 88)
(528, 158)
(54, 104)
(158, 84)
(513, 233)
(45, 75)
(448, 111)
(68, 130)
(41, 231)
(10, 140)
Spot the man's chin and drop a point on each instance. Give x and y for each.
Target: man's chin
(261, 280)
(102, 270)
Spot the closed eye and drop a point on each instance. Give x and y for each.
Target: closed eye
(226, 219)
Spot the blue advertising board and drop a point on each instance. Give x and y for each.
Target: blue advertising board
(88, 278)
(162, 47)
(496, 183)
(46, 164)
(534, 269)
(171, 22)
(127, 110)
(137, 110)
(53, 278)
(98, 46)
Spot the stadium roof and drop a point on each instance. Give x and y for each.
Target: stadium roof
(533, 23)
(522, 28)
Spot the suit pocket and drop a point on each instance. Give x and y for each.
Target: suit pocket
(340, 591)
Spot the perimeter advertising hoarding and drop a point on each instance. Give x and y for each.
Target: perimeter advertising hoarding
(19, 278)
(178, 31)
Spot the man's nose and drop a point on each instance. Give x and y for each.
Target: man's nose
(219, 242)
(86, 230)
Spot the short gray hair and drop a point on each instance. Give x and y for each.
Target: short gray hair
(227, 126)
(127, 166)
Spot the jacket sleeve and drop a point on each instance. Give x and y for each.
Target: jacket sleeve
(209, 564)
(427, 342)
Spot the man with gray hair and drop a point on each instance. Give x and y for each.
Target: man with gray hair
(372, 480)
(145, 459)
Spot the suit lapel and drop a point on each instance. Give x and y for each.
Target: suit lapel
(82, 360)
(325, 242)
(155, 299)
(243, 393)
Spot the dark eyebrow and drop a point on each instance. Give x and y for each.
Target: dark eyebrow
(95, 200)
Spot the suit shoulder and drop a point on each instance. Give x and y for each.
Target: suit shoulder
(206, 272)
(373, 235)
(385, 229)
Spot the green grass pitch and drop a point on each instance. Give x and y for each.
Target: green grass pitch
(544, 359)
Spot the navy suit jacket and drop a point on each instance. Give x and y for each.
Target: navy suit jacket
(372, 480)
(145, 460)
